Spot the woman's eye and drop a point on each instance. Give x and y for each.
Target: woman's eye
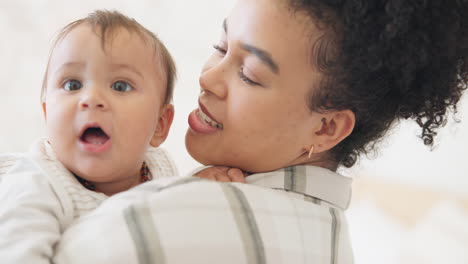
(219, 49)
(72, 85)
(122, 86)
(246, 79)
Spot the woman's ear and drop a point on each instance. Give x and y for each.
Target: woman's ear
(164, 124)
(44, 110)
(335, 127)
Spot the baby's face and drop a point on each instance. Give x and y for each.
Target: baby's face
(104, 107)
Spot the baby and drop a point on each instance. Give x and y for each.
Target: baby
(106, 99)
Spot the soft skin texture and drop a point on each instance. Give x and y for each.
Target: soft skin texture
(133, 117)
(263, 110)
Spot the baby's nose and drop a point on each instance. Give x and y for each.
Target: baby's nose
(92, 99)
(86, 105)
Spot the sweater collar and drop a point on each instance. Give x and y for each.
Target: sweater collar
(312, 181)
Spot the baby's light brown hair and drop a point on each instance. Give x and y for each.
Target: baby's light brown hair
(105, 23)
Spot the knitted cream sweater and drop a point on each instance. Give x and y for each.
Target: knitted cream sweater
(40, 199)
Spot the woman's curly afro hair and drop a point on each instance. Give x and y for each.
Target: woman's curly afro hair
(386, 60)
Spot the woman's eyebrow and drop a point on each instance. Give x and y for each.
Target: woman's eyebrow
(262, 55)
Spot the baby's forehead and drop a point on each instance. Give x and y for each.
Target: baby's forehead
(86, 49)
(105, 38)
(109, 37)
(117, 44)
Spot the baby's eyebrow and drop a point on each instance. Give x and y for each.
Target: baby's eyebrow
(128, 68)
(72, 64)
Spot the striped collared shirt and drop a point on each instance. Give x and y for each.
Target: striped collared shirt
(292, 215)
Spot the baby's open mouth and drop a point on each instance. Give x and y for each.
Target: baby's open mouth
(94, 135)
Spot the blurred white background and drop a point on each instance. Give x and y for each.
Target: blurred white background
(410, 203)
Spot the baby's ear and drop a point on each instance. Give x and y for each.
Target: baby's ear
(164, 124)
(44, 110)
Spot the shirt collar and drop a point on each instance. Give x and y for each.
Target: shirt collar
(308, 180)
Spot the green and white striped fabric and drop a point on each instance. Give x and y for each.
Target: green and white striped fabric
(293, 215)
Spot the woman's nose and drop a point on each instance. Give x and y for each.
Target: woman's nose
(92, 98)
(213, 79)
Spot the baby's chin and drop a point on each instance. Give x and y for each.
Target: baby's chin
(91, 176)
(97, 172)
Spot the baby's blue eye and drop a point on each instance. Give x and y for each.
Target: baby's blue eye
(72, 85)
(121, 86)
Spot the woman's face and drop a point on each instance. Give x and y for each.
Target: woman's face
(253, 110)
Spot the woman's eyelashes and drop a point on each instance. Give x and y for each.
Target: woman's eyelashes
(246, 79)
(220, 49)
(242, 76)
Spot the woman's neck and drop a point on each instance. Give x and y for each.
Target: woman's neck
(318, 160)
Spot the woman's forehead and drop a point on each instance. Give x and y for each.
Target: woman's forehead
(273, 27)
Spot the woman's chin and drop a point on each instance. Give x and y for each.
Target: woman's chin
(200, 152)
(196, 149)
(205, 152)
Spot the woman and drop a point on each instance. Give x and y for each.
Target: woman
(295, 89)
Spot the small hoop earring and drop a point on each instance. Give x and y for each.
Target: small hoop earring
(311, 151)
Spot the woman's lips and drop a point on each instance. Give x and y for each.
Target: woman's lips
(206, 112)
(200, 126)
